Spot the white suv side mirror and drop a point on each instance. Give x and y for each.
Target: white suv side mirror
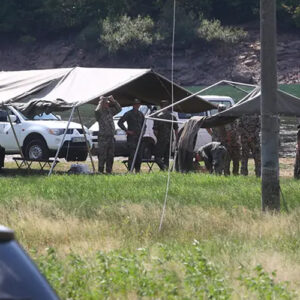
(13, 118)
(58, 117)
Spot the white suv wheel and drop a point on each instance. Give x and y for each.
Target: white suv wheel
(35, 152)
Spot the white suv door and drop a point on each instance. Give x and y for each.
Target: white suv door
(7, 138)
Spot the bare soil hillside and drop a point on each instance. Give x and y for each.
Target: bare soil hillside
(197, 65)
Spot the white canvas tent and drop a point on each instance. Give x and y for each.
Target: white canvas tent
(59, 89)
(78, 86)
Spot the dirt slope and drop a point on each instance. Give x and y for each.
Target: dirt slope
(194, 66)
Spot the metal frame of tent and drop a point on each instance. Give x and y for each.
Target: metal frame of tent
(151, 116)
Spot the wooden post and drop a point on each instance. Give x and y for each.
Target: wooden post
(269, 116)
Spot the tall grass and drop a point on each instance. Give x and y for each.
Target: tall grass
(97, 236)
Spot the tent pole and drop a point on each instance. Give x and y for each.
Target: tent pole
(137, 146)
(236, 87)
(197, 93)
(270, 196)
(61, 143)
(184, 99)
(15, 135)
(86, 141)
(239, 83)
(165, 120)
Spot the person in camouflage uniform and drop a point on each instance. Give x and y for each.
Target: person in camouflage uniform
(214, 156)
(135, 120)
(297, 160)
(228, 136)
(162, 131)
(249, 128)
(104, 112)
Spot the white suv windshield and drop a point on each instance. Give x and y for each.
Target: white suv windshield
(189, 115)
(45, 117)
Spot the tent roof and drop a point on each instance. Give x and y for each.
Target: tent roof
(79, 85)
(287, 105)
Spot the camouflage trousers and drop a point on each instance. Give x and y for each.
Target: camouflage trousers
(297, 165)
(106, 152)
(132, 142)
(250, 147)
(233, 154)
(162, 149)
(2, 157)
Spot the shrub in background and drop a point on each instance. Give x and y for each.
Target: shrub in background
(213, 31)
(124, 33)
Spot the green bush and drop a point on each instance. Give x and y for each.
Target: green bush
(125, 34)
(213, 31)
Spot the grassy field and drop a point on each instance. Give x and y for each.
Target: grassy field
(96, 237)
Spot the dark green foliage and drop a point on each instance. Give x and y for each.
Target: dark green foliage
(185, 25)
(289, 13)
(125, 33)
(213, 31)
(37, 18)
(174, 272)
(123, 274)
(235, 11)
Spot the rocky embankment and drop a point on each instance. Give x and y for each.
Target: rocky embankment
(197, 65)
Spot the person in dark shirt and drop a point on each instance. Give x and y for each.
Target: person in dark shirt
(162, 131)
(135, 120)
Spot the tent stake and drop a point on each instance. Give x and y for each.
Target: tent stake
(86, 141)
(61, 143)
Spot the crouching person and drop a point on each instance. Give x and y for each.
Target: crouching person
(214, 156)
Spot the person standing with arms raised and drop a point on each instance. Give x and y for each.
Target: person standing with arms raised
(104, 112)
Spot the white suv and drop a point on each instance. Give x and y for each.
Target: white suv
(41, 136)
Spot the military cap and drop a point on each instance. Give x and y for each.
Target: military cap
(164, 102)
(221, 107)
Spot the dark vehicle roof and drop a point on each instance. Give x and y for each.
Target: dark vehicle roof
(19, 277)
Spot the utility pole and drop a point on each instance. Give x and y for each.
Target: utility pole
(269, 116)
